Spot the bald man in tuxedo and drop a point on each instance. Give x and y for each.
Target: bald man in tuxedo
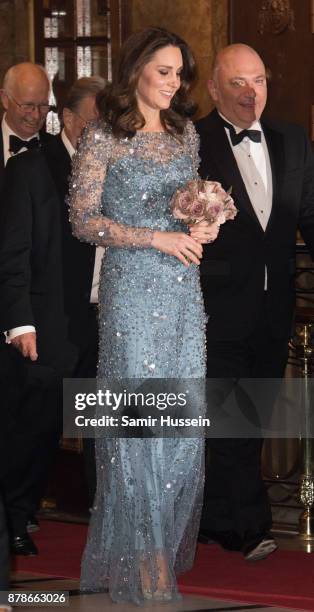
(25, 99)
(247, 276)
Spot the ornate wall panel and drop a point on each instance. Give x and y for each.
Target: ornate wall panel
(14, 33)
(281, 31)
(203, 24)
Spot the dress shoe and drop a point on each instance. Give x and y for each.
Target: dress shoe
(23, 545)
(228, 540)
(32, 524)
(259, 546)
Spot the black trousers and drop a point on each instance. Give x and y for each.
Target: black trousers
(235, 497)
(33, 438)
(84, 334)
(11, 379)
(4, 551)
(24, 487)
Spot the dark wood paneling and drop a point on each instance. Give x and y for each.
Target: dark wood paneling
(286, 46)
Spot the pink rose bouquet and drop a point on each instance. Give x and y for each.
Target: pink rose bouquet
(202, 200)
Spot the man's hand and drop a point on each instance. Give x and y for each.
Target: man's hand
(26, 344)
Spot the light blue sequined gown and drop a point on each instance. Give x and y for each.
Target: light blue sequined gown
(151, 324)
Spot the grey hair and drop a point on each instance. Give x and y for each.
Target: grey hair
(83, 88)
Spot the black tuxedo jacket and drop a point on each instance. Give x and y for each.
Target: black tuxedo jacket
(31, 281)
(78, 258)
(233, 267)
(43, 138)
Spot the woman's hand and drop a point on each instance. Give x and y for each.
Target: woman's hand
(180, 245)
(204, 232)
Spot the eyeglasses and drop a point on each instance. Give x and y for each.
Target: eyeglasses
(29, 107)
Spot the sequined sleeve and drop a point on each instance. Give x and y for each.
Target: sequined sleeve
(89, 174)
(192, 140)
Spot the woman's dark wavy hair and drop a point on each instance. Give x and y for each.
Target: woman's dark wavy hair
(117, 103)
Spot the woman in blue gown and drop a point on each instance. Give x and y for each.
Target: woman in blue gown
(145, 518)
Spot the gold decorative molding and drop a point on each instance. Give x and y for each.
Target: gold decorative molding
(275, 17)
(307, 491)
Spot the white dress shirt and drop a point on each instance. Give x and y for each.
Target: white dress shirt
(6, 133)
(67, 143)
(99, 250)
(254, 165)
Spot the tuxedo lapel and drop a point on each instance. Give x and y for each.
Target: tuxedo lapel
(275, 145)
(219, 150)
(59, 163)
(43, 138)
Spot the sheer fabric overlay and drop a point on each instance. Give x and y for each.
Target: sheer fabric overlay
(145, 519)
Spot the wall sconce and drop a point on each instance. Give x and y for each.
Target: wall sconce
(58, 13)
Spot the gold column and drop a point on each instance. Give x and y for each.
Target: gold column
(304, 352)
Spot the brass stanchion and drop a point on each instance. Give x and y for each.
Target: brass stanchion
(305, 354)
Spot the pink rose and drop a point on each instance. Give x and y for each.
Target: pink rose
(210, 187)
(200, 200)
(186, 204)
(197, 208)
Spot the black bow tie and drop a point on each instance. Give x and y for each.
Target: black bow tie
(16, 144)
(254, 135)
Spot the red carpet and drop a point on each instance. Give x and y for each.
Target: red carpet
(60, 549)
(285, 579)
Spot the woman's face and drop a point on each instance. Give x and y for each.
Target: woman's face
(159, 80)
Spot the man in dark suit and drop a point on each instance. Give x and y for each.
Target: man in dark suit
(39, 287)
(25, 99)
(248, 279)
(80, 300)
(31, 295)
(80, 289)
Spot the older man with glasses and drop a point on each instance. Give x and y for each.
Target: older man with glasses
(80, 290)
(46, 282)
(25, 99)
